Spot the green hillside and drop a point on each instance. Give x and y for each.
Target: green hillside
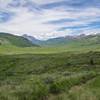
(8, 39)
(74, 41)
(88, 40)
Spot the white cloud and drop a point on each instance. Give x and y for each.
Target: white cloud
(34, 23)
(45, 1)
(90, 31)
(4, 3)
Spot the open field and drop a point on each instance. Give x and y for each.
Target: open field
(9, 49)
(60, 76)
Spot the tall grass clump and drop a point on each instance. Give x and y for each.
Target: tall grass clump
(65, 84)
(32, 91)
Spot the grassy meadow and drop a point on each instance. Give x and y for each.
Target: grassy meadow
(10, 49)
(60, 73)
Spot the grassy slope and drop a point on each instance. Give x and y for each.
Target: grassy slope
(8, 39)
(80, 41)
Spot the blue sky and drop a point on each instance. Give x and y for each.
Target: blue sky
(46, 19)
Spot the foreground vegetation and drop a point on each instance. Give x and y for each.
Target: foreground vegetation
(63, 76)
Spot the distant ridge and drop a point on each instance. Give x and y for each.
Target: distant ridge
(67, 40)
(32, 39)
(19, 41)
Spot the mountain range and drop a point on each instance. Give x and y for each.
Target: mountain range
(30, 41)
(67, 40)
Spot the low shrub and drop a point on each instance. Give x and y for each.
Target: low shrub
(35, 91)
(65, 84)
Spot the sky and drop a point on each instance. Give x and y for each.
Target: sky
(46, 19)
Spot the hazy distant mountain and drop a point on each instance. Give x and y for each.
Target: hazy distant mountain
(32, 39)
(53, 41)
(75, 40)
(49, 42)
(67, 40)
(19, 41)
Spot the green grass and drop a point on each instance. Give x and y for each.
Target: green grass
(9, 49)
(50, 76)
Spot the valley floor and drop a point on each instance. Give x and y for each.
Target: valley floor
(9, 49)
